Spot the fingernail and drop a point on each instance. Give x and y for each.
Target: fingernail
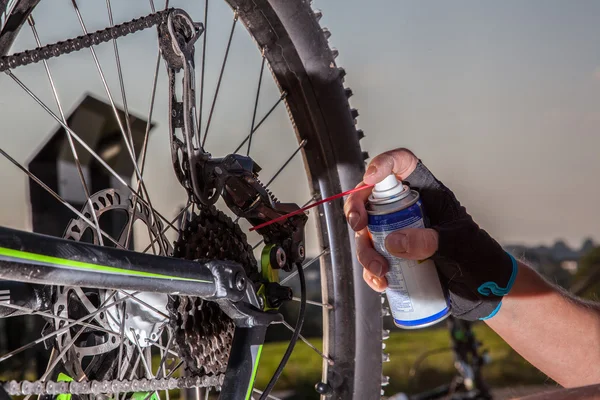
(377, 282)
(353, 219)
(371, 171)
(397, 243)
(375, 267)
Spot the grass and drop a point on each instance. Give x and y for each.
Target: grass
(507, 368)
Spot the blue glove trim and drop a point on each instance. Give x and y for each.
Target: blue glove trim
(492, 313)
(489, 288)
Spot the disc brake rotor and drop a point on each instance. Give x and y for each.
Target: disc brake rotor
(88, 353)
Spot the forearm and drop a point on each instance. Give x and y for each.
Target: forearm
(558, 334)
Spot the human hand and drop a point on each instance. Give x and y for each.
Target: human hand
(472, 266)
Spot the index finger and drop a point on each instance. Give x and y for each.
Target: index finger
(354, 208)
(401, 162)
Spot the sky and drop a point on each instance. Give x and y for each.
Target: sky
(500, 99)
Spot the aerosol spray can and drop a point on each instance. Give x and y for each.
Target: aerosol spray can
(414, 292)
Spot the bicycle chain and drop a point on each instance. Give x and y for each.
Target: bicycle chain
(85, 41)
(115, 386)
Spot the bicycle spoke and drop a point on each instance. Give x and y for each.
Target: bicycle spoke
(104, 82)
(144, 361)
(270, 396)
(133, 370)
(31, 22)
(175, 368)
(200, 106)
(260, 76)
(50, 359)
(145, 143)
(171, 224)
(314, 303)
(163, 358)
(212, 107)
(290, 158)
(283, 96)
(122, 337)
(128, 145)
(64, 328)
(164, 353)
(51, 315)
(85, 146)
(68, 346)
(120, 73)
(146, 135)
(55, 195)
(309, 344)
(308, 264)
(159, 346)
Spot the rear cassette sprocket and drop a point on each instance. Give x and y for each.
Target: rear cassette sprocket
(204, 333)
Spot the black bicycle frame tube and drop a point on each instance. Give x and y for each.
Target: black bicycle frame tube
(243, 363)
(46, 260)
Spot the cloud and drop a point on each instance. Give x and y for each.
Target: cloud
(596, 74)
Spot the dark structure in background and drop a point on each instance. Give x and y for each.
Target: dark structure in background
(94, 121)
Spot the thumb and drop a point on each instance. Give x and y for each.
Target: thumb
(413, 243)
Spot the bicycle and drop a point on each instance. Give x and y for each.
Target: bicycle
(468, 384)
(202, 303)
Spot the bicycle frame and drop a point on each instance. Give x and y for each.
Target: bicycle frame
(40, 259)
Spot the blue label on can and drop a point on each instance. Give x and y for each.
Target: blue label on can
(396, 220)
(424, 321)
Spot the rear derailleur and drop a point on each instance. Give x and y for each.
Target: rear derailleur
(233, 177)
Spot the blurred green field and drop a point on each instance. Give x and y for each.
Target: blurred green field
(304, 369)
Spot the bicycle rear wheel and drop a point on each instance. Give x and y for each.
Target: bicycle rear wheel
(298, 55)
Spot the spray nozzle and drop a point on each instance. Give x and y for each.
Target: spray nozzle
(389, 187)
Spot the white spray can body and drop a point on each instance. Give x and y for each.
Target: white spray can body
(414, 292)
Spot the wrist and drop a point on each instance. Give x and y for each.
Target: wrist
(527, 284)
(491, 287)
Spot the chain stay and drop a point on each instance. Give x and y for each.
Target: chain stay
(85, 41)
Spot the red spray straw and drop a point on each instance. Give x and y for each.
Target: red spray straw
(303, 209)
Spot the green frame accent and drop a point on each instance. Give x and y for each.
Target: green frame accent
(254, 370)
(62, 377)
(267, 271)
(70, 264)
